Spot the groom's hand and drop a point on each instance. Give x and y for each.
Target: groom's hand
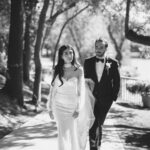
(90, 83)
(75, 114)
(51, 115)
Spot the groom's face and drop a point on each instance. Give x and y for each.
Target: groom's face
(100, 48)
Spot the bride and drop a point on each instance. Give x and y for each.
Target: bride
(71, 101)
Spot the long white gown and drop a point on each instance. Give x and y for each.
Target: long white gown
(72, 133)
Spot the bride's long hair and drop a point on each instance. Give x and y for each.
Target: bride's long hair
(58, 69)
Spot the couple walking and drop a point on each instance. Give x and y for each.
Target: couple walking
(80, 98)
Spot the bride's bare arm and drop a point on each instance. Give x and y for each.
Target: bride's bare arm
(50, 104)
(80, 77)
(80, 86)
(50, 100)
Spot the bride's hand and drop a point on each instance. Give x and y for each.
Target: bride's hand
(75, 114)
(51, 115)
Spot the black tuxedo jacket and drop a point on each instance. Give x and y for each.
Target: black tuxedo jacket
(106, 90)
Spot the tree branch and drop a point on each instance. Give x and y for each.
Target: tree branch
(132, 35)
(63, 29)
(52, 9)
(53, 17)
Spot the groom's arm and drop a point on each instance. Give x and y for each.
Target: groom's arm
(85, 67)
(116, 80)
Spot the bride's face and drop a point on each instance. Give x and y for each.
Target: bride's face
(67, 56)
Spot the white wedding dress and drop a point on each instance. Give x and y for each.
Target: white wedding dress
(72, 133)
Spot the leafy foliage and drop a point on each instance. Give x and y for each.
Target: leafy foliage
(4, 7)
(140, 87)
(4, 24)
(29, 5)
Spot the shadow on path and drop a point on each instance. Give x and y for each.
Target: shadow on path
(26, 136)
(132, 126)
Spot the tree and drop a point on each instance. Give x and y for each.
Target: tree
(4, 23)
(114, 17)
(132, 34)
(39, 39)
(64, 6)
(14, 83)
(37, 61)
(60, 8)
(29, 8)
(63, 27)
(117, 37)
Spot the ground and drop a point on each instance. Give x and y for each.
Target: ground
(131, 121)
(12, 116)
(132, 124)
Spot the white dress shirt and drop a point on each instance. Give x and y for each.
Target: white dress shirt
(99, 69)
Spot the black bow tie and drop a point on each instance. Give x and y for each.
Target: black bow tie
(100, 59)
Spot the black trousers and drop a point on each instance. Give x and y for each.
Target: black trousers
(95, 133)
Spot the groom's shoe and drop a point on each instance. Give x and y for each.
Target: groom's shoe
(93, 148)
(93, 145)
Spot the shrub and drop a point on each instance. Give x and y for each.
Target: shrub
(140, 87)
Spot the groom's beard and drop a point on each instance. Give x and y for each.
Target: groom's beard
(99, 54)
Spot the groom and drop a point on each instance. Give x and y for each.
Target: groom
(104, 72)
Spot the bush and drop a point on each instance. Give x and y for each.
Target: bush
(140, 87)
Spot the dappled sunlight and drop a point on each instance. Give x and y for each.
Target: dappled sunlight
(110, 138)
(4, 131)
(132, 136)
(120, 114)
(139, 139)
(130, 105)
(29, 135)
(131, 124)
(26, 67)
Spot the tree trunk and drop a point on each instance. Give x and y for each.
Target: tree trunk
(27, 50)
(119, 55)
(77, 44)
(37, 55)
(117, 46)
(14, 84)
